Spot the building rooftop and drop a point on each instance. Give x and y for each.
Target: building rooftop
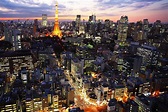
(149, 47)
(15, 53)
(112, 102)
(9, 98)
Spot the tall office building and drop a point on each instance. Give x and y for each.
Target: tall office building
(8, 33)
(91, 25)
(107, 24)
(145, 28)
(1, 30)
(157, 24)
(16, 40)
(44, 19)
(56, 31)
(157, 27)
(132, 65)
(139, 31)
(149, 55)
(13, 36)
(122, 28)
(92, 18)
(78, 21)
(35, 26)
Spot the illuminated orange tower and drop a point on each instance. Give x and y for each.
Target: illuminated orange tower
(56, 31)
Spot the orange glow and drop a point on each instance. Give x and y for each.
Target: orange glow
(96, 109)
(156, 93)
(118, 98)
(47, 34)
(89, 107)
(94, 75)
(56, 31)
(102, 108)
(42, 111)
(2, 38)
(124, 99)
(132, 97)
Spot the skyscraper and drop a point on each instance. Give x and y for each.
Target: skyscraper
(157, 27)
(145, 28)
(56, 31)
(13, 36)
(78, 20)
(92, 18)
(139, 31)
(122, 28)
(35, 26)
(16, 39)
(44, 19)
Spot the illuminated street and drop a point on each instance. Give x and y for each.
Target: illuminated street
(82, 100)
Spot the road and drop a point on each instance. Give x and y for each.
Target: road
(82, 100)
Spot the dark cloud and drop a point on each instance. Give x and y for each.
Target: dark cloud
(148, 0)
(127, 3)
(164, 6)
(25, 8)
(142, 5)
(21, 10)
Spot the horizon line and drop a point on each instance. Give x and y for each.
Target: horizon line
(69, 19)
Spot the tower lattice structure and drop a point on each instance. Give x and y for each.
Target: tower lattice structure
(56, 31)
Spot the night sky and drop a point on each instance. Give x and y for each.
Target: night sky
(68, 9)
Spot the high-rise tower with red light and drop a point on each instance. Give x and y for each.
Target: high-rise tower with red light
(56, 31)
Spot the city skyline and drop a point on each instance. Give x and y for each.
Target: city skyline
(68, 9)
(49, 64)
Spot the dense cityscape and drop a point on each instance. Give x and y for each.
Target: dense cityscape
(89, 65)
